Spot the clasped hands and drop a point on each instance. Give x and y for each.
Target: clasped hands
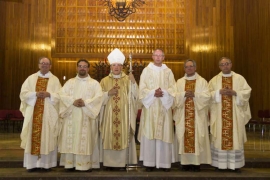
(158, 92)
(227, 91)
(43, 94)
(78, 103)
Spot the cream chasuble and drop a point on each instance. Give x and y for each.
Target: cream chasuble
(228, 118)
(79, 127)
(47, 115)
(156, 132)
(201, 153)
(115, 122)
(156, 117)
(240, 111)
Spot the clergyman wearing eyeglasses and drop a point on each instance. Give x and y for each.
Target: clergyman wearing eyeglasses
(230, 112)
(39, 106)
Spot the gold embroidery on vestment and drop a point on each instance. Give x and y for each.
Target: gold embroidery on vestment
(37, 117)
(116, 125)
(227, 116)
(189, 136)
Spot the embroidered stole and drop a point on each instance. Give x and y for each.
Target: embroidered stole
(116, 116)
(189, 136)
(227, 116)
(38, 116)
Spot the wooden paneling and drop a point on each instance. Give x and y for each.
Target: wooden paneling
(2, 49)
(86, 29)
(214, 28)
(252, 49)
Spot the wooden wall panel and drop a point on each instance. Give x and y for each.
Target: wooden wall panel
(214, 28)
(2, 50)
(252, 54)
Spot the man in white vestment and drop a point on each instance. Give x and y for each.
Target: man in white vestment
(119, 115)
(80, 103)
(156, 92)
(191, 119)
(39, 106)
(230, 113)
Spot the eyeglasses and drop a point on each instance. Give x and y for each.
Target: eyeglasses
(82, 67)
(45, 64)
(189, 66)
(224, 64)
(158, 55)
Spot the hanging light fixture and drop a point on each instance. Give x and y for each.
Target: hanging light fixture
(121, 9)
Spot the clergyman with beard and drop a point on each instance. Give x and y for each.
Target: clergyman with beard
(80, 103)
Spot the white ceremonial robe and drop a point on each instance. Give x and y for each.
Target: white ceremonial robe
(202, 153)
(78, 139)
(110, 156)
(156, 125)
(48, 149)
(241, 116)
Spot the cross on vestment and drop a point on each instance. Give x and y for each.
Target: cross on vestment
(226, 133)
(188, 123)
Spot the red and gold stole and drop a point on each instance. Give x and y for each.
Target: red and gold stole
(116, 116)
(227, 116)
(189, 137)
(37, 117)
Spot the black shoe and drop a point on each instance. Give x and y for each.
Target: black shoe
(70, 169)
(32, 170)
(122, 169)
(46, 170)
(185, 167)
(217, 169)
(196, 168)
(108, 168)
(149, 169)
(238, 170)
(89, 170)
(166, 169)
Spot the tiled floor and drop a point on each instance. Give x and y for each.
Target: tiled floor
(257, 150)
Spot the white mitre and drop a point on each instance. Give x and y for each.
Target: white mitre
(116, 56)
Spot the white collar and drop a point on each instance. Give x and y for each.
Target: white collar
(116, 76)
(191, 77)
(227, 75)
(83, 79)
(157, 68)
(47, 75)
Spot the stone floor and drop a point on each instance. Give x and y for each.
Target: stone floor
(257, 154)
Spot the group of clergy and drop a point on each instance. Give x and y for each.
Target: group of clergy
(90, 123)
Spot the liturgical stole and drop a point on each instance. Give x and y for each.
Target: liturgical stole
(38, 116)
(116, 127)
(227, 116)
(189, 137)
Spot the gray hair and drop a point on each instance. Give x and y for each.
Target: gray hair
(44, 58)
(191, 60)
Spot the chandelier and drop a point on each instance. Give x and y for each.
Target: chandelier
(121, 9)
